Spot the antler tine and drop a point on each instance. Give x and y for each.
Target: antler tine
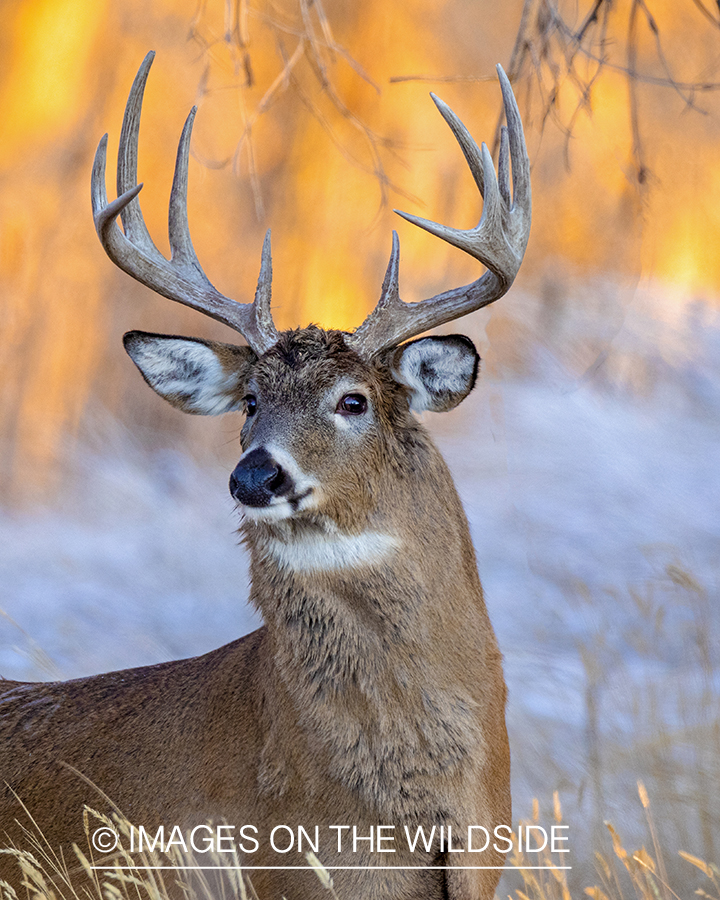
(180, 278)
(498, 241)
(263, 295)
(182, 251)
(504, 166)
(518, 151)
(391, 287)
(131, 214)
(466, 141)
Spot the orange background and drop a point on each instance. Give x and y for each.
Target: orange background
(324, 173)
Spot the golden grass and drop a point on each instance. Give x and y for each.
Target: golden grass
(147, 875)
(622, 873)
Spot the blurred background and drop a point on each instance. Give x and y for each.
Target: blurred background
(587, 458)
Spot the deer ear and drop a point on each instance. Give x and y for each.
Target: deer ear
(439, 371)
(196, 376)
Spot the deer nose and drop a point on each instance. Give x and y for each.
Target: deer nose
(258, 478)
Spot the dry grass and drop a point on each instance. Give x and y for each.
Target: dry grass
(622, 873)
(148, 875)
(650, 687)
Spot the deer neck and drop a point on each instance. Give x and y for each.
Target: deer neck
(369, 633)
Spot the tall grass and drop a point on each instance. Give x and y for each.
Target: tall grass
(621, 873)
(648, 692)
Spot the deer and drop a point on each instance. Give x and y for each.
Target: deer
(372, 699)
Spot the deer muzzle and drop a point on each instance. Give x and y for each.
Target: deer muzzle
(258, 479)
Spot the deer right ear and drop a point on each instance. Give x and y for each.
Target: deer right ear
(438, 371)
(201, 377)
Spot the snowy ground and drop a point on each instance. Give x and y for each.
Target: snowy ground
(592, 485)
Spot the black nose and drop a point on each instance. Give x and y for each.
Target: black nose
(258, 478)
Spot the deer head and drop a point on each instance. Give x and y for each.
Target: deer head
(321, 408)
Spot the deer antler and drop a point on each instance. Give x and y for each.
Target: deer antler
(498, 241)
(181, 277)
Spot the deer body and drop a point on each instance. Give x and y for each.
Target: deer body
(373, 695)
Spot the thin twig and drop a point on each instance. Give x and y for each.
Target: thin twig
(316, 48)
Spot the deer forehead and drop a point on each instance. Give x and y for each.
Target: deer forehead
(310, 387)
(311, 360)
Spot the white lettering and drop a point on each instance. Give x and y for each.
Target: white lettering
(209, 845)
(292, 839)
(472, 849)
(314, 846)
(358, 837)
(558, 839)
(176, 838)
(381, 838)
(249, 837)
(502, 837)
(420, 834)
(340, 829)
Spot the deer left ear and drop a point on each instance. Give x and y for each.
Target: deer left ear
(439, 371)
(201, 377)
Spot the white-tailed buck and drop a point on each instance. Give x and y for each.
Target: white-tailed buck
(373, 695)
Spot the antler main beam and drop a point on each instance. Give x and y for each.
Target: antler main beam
(498, 241)
(180, 278)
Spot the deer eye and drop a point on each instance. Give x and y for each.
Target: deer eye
(352, 405)
(250, 402)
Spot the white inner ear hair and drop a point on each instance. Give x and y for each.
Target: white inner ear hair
(317, 552)
(191, 371)
(433, 368)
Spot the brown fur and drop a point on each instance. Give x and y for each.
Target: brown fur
(371, 696)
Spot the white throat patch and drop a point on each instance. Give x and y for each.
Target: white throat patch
(333, 552)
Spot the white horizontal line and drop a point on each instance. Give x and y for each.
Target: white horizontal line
(333, 868)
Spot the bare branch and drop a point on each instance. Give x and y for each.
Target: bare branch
(316, 48)
(706, 13)
(555, 57)
(637, 150)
